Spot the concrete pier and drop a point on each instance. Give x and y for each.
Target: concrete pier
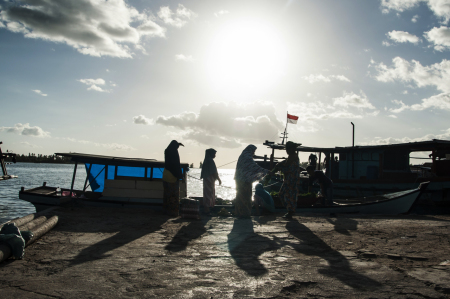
(117, 253)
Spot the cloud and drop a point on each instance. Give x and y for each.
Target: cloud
(227, 124)
(96, 28)
(113, 146)
(142, 120)
(392, 116)
(440, 101)
(93, 84)
(183, 57)
(440, 37)
(27, 144)
(353, 100)
(437, 75)
(316, 78)
(391, 140)
(40, 92)
(221, 12)
(402, 37)
(440, 8)
(415, 18)
(178, 18)
(26, 130)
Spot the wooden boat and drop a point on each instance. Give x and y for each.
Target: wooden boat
(114, 182)
(362, 171)
(5, 175)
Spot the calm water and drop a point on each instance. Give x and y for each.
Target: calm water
(32, 175)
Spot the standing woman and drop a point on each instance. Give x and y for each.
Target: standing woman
(291, 170)
(247, 171)
(171, 179)
(209, 175)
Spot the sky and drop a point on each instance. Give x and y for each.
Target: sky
(124, 78)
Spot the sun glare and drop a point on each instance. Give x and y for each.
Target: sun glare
(246, 57)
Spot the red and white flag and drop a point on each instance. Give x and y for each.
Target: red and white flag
(292, 119)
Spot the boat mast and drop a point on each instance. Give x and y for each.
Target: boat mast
(284, 134)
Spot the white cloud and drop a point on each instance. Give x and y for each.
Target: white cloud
(93, 84)
(27, 144)
(437, 75)
(142, 120)
(415, 18)
(93, 27)
(440, 101)
(440, 37)
(353, 100)
(316, 78)
(40, 92)
(178, 18)
(227, 124)
(392, 116)
(440, 8)
(183, 57)
(26, 130)
(221, 12)
(402, 37)
(390, 140)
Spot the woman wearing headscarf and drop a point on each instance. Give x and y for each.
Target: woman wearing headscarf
(171, 179)
(247, 172)
(291, 171)
(209, 175)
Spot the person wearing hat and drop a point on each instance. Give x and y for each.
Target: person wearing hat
(171, 179)
(209, 175)
(291, 171)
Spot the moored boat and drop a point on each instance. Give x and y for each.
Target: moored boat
(113, 182)
(362, 171)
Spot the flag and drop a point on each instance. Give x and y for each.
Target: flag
(292, 119)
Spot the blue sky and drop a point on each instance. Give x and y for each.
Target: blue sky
(124, 78)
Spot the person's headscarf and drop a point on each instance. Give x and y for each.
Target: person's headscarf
(246, 169)
(209, 166)
(291, 145)
(172, 159)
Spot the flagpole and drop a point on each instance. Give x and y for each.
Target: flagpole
(285, 129)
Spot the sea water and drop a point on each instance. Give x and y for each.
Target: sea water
(32, 175)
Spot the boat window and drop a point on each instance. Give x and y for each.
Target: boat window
(126, 171)
(342, 157)
(111, 172)
(366, 156)
(96, 176)
(157, 173)
(396, 160)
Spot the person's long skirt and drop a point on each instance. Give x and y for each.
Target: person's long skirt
(243, 202)
(171, 201)
(288, 194)
(209, 192)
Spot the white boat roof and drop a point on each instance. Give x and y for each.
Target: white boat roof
(117, 161)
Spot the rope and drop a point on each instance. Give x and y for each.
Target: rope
(226, 164)
(217, 185)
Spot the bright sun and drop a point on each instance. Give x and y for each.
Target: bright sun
(246, 58)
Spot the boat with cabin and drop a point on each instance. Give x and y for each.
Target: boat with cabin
(363, 171)
(108, 182)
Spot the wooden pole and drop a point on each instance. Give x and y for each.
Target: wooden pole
(39, 231)
(73, 178)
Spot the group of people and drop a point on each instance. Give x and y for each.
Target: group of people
(247, 172)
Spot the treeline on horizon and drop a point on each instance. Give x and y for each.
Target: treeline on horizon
(39, 158)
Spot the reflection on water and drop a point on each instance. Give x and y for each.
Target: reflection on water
(32, 175)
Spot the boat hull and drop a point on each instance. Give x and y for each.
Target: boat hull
(394, 203)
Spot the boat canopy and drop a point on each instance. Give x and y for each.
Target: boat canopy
(419, 146)
(101, 168)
